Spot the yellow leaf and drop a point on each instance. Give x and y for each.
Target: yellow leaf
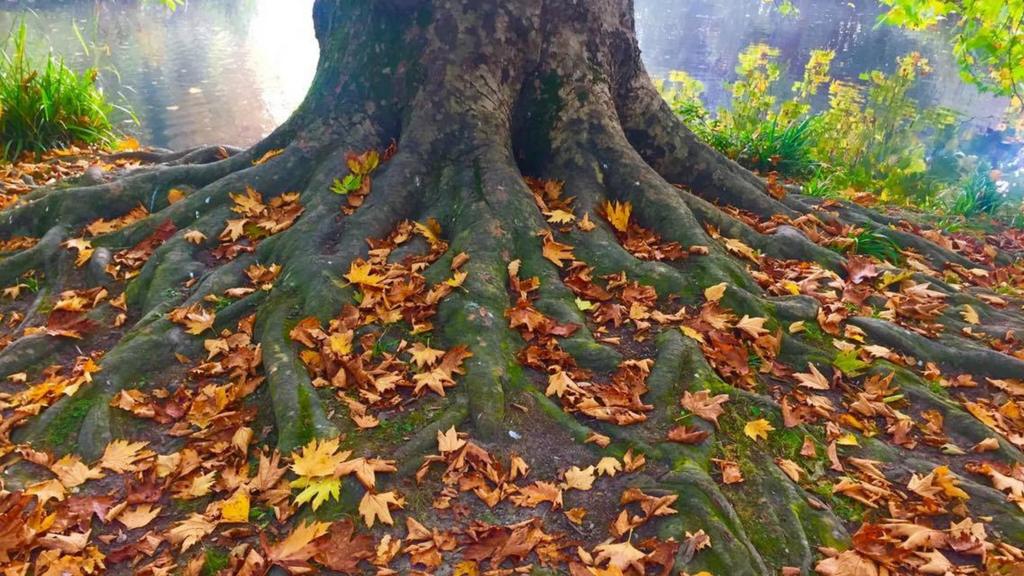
(424, 355)
(691, 333)
(577, 479)
(190, 531)
(560, 217)
(297, 547)
(752, 326)
(267, 156)
(120, 455)
(715, 293)
(608, 466)
(195, 237)
(431, 231)
(618, 214)
(758, 429)
(236, 508)
(318, 490)
(84, 248)
(375, 507)
(970, 315)
(847, 439)
(138, 516)
(449, 441)
(359, 272)
(466, 568)
(341, 342)
(319, 458)
(175, 195)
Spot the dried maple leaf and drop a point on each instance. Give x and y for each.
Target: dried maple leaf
(190, 531)
(687, 435)
(716, 292)
(449, 441)
(556, 251)
(84, 249)
(343, 549)
(730, 471)
(608, 466)
(298, 547)
(814, 379)
(375, 507)
(704, 405)
(620, 556)
(120, 456)
(577, 479)
(139, 516)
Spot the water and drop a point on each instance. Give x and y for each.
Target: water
(229, 71)
(214, 71)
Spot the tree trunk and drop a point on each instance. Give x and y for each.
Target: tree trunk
(476, 95)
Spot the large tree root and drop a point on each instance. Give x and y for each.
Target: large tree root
(467, 130)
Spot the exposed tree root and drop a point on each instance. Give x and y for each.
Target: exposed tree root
(467, 130)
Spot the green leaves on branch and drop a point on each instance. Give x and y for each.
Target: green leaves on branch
(988, 38)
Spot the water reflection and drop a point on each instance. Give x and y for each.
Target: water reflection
(214, 71)
(703, 37)
(231, 70)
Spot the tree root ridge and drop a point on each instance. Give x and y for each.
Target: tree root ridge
(628, 300)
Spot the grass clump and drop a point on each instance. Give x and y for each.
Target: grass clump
(46, 105)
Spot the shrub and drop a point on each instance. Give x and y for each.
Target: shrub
(47, 105)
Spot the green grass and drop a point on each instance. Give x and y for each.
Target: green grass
(875, 243)
(977, 195)
(46, 105)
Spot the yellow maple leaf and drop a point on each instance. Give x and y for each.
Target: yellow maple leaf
(715, 293)
(236, 508)
(752, 326)
(970, 315)
(84, 248)
(375, 507)
(298, 546)
(618, 214)
(758, 429)
(577, 479)
(691, 333)
(138, 516)
(359, 272)
(120, 456)
(424, 355)
(560, 217)
(319, 458)
(609, 466)
(431, 231)
(190, 531)
(195, 237)
(449, 441)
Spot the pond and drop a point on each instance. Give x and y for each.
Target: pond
(229, 71)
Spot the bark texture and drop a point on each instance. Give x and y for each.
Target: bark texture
(476, 95)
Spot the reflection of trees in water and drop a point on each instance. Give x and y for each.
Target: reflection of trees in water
(704, 37)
